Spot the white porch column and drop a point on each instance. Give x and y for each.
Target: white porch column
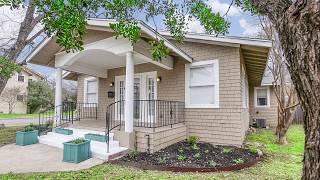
(58, 93)
(129, 88)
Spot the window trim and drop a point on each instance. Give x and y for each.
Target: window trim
(86, 88)
(20, 74)
(268, 97)
(215, 64)
(20, 95)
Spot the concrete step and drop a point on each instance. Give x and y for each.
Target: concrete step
(98, 149)
(80, 133)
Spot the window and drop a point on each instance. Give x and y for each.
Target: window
(20, 77)
(91, 90)
(202, 84)
(20, 98)
(262, 96)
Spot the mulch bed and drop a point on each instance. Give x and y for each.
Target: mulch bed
(183, 157)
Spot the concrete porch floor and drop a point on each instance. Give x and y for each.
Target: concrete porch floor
(38, 158)
(90, 124)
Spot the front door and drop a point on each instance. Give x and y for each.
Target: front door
(145, 89)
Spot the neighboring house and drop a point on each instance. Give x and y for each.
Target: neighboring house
(205, 87)
(19, 83)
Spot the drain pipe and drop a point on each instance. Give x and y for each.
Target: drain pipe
(148, 142)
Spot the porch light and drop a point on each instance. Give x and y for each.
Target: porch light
(111, 84)
(158, 79)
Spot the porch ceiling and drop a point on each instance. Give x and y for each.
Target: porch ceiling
(255, 59)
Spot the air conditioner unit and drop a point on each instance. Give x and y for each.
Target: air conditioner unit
(261, 123)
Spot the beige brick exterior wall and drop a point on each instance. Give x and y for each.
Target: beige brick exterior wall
(268, 113)
(224, 125)
(160, 138)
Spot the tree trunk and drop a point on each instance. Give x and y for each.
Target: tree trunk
(300, 37)
(26, 27)
(282, 139)
(10, 108)
(3, 83)
(297, 23)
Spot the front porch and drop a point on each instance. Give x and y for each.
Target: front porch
(133, 102)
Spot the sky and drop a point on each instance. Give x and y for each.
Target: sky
(243, 24)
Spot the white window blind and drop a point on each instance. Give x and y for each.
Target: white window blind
(202, 84)
(92, 91)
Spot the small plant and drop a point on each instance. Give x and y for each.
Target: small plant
(181, 157)
(78, 141)
(28, 128)
(133, 154)
(197, 155)
(195, 147)
(238, 161)
(212, 163)
(226, 150)
(193, 140)
(206, 151)
(253, 149)
(180, 150)
(162, 160)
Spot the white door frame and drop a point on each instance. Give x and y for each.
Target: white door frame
(143, 84)
(143, 88)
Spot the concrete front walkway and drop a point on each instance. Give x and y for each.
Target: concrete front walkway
(37, 158)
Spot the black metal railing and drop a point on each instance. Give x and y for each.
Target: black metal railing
(64, 114)
(157, 113)
(146, 113)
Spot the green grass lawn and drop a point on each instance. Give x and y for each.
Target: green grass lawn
(281, 162)
(8, 116)
(8, 135)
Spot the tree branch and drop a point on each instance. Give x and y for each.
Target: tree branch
(30, 40)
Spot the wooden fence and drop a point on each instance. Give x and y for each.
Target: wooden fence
(298, 116)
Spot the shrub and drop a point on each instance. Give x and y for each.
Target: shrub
(197, 155)
(238, 161)
(193, 140)
(28, 128)
(180, 150)
(181, 157)
(133, 154)
(78, 141)
(195, 147)
(162, 160)
(253, 149)
(212, 163)
(226, 150)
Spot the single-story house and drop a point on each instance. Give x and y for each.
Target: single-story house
(208, 86)
(16, 91)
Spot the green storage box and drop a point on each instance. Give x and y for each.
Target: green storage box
(96, 137)
(63, 131)
(76, 153)
(26, 138)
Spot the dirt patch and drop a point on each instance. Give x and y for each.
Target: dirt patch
(185, 155)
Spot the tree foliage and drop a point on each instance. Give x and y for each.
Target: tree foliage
(8, 68)
(67, 19)
(40, 95)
